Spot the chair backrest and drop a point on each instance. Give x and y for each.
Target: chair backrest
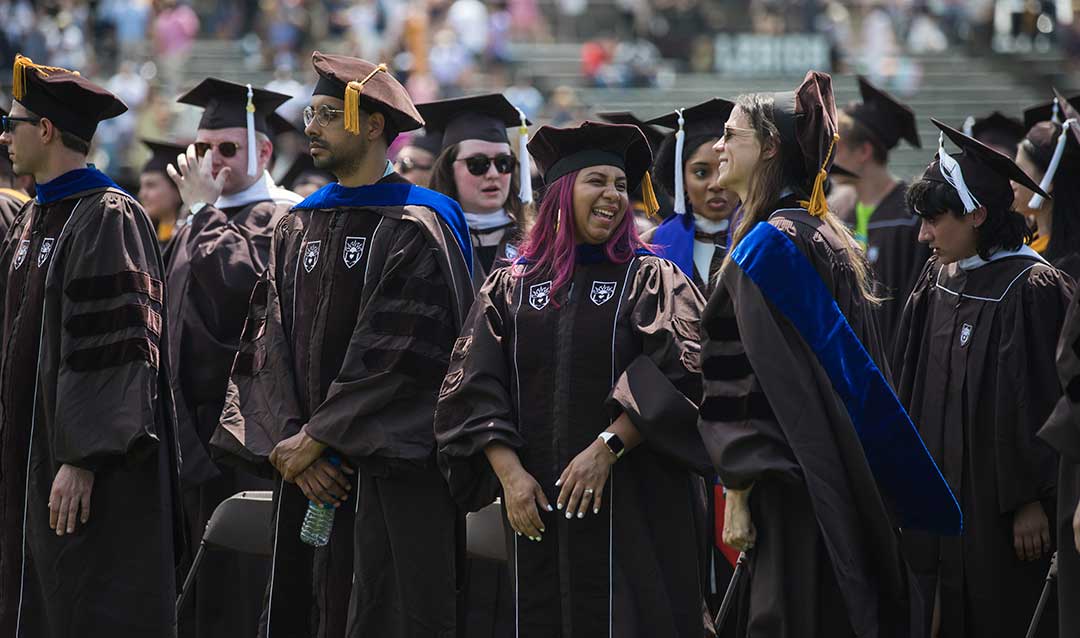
(485, 534)
(243, 523)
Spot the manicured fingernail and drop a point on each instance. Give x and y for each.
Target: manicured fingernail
(581, 514)
(558, 483)
(560, 506)
(538, 539)
(569, 515)
(550, 508)
(596, 510)
(542, 529)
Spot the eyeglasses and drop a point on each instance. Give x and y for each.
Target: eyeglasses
(407, 164)
(478, 164)
(731, 132)
(8, 122)
(323, 116)
(224, 149)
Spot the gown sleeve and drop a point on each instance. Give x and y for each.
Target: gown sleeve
(742, 435)
(660, 389)
(110, 292)
(475, 405)
(261, 404)
(1062, 429)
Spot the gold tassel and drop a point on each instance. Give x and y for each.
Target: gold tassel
(558, 220)
(352, 100)
(652, 206)
(818, 205)
(20, 81)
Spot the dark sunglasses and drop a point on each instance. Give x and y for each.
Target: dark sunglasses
(225, 149)
(407, 165)
(8, 122)
(478, 164)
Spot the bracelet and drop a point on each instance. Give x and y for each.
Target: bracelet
(614, 444)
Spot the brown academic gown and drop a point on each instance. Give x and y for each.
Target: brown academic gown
(976, 372)
(897, 257)
(544, 374)
(352, 346)
(827, 562)
(1062, 431)
(212, 264)
(85, 383)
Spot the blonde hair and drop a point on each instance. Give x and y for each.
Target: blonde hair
(776, 172)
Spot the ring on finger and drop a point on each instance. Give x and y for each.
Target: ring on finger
(588, 491)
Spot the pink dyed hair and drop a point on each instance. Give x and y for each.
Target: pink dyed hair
(550, 252)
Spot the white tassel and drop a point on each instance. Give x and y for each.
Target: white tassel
(950, 170)
(252, 152)
(680, 188)
(969, 125)
(525, 193)
(1056, 117)
(1059, 150)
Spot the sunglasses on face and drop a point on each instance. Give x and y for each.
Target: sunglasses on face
(478, 164)
(407, 165)
(224, 149)
(8, 122)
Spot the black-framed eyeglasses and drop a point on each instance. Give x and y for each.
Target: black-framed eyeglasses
(224, 149)
(407, 165)
(478, 164)
(8, 122)
(324, 115)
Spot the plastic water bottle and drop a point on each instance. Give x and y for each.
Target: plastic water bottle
(319, 520)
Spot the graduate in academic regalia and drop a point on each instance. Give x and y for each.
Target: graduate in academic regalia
(997, 130)
(221, 248)
(347, 340)
(571, 394)
(477, 167)
(649, 206)
(1050, 154)
(800, 421)
(89, 484)
(416, 159)
(1062, 431)
(697, 235)
(884, 223)
(12, 197)
(975, 368)
(157, 192)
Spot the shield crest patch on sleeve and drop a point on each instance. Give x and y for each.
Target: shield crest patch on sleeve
(46, 250)
(965, 334)
(539, 295)
(353, 251)
(20, 257)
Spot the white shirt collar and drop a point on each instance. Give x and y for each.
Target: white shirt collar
(258, 191)
(709, 226)
(484, 221)
(389, 169)
(975, 261)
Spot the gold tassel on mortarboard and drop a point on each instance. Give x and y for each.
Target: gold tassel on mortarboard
(818, 205)
(20, 80)
(352, 100)
(648, 195)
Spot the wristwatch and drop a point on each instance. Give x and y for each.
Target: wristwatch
(613, 443)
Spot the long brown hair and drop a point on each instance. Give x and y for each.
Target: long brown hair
(442, 180)
(779, 171)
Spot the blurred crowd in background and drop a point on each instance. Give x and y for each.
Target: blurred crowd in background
(447, 48)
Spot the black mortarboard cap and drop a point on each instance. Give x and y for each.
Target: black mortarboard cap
(884, 116)
(1044, 112)
(997, 128)
(71, 102)
(806, 120)
(654, 136)
(365, 86)
(428, 139)
(224, 105)
(561, 151)
(701, 120)
(162, 154)
(988, 174)
(477, 117)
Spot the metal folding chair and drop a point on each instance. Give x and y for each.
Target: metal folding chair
(485, 536)
(241, 523)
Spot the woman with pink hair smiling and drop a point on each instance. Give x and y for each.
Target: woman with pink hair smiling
(571, 395)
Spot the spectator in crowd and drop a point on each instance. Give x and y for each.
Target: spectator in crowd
(175, 28)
